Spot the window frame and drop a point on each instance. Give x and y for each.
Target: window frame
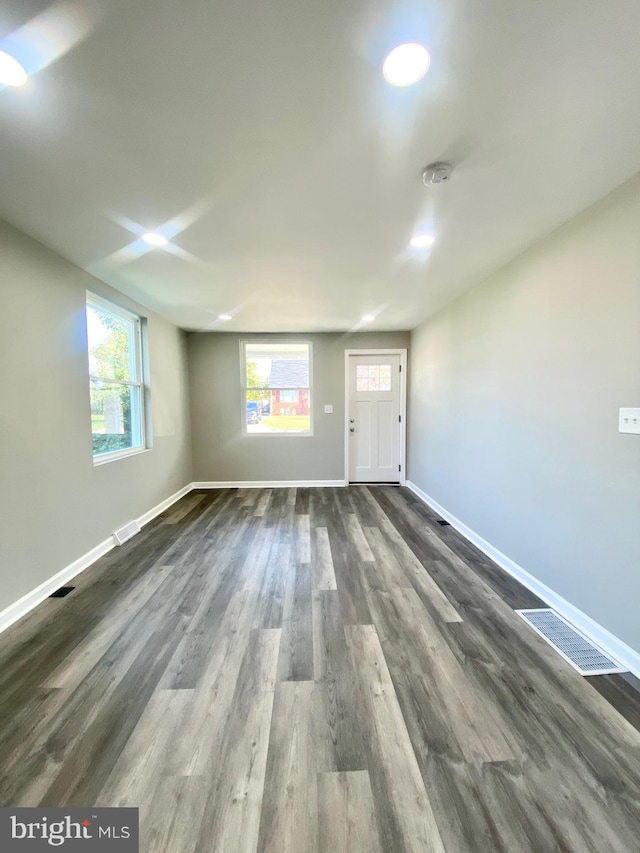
(99, 303)
(244, 342)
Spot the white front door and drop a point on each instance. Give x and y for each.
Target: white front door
(373, 418)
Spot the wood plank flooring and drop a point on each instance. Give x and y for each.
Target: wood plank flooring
(314, 671)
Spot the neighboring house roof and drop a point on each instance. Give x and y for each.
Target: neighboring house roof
(289, 373)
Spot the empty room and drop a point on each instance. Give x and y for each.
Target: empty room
(320, 426)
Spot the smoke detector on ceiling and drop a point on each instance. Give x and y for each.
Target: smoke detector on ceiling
(436, 173)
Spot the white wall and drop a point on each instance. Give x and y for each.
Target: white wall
(514, 397)
(56, 505)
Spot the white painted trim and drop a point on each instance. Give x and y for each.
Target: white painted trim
(119, 454)
(165, 504)
(243, 366)
(268, 484)
(23, 605)
(600, 636)
(403, 406)
(109, 307)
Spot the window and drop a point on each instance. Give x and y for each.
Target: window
(115, 379)
(373, 377)
(276, 388)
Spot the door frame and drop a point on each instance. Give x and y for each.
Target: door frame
(402, 426)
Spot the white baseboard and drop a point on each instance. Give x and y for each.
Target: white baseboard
(165, 504)
(268, 484)
(23, 605)
(599, 635)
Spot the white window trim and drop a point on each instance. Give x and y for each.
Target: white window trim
(92, 299)
(118, 454)
(244, 389)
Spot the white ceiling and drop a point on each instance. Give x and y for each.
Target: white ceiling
(263, 136)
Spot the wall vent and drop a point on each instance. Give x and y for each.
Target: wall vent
(62, 592)
(130, 529)
(574, 647)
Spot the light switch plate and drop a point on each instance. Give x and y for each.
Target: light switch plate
(328, 410)
(629, 421)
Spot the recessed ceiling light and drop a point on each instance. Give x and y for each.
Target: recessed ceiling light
(368, 318)
(11, 72)
(421, 241)
(406, 64)
(154, 239)
(225, 317)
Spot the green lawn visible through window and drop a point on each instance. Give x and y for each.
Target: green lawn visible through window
(277, 393)
(286, 423)
(115, 373)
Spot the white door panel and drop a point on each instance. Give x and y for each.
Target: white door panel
(386, 430)
(363, 447)
(374, 418)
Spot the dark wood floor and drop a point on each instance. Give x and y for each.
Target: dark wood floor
(313, 671)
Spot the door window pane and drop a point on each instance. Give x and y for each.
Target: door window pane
(373, 377)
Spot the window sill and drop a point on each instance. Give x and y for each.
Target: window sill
(118, 454)
(271, 433)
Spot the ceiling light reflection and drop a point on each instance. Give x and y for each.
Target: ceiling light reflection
(52, 33)
(11, 72)
(154, 239)
(406, 64)
(422, 241)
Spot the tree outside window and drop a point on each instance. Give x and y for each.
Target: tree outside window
(277, 387)
(116, 387)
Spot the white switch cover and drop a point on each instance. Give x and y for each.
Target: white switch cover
(630, 421)
(328, 410)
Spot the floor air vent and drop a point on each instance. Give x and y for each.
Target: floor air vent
(120, 536)
(571, 644)
(62, 592)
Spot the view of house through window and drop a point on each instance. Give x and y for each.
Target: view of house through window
(115, 371)
(277, 387)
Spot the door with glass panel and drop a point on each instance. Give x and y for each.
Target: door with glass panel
(373, 418)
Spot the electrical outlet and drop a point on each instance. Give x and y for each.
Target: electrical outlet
(328, 410)
(629, 421)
